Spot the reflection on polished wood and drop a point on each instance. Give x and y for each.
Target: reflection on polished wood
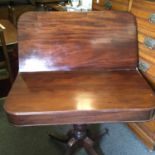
(77, 41)
(10, 32)
(78, 68)
(75, 97)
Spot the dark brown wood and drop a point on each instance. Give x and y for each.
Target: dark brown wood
(79, 137)
(78, 68)
(77, 41)
(79, 97)
(143, 11)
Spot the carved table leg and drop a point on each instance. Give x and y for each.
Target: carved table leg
(80, 136)
(88, 146)
(72, 146)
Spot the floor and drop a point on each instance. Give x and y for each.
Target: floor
(35, 140)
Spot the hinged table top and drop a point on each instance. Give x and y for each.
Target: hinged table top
(78, 68)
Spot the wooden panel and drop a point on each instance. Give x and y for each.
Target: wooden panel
(147, 32)
(145, 45)
(146, 53)
(145, 131)
(144, 24)
(151, 66)
(79, 97)
(143, 9)
(151, 80)
(77, 41)
(120, 5)
(148, 69)
(141, 37)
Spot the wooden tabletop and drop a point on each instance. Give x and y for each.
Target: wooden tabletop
(10, 32)
(79, 97)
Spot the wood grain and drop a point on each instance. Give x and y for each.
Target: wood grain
(143, 10)
(145, 26)
(147, 53)
(77, 41)
(86, 97)
(145, 131)
(78, 68)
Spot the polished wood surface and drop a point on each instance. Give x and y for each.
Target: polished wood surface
(79, 97)
(10, 32)
(145, 131)
(77, 41)
(78, 68)
(143, 10)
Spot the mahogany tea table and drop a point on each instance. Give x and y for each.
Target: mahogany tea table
(78, 68)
